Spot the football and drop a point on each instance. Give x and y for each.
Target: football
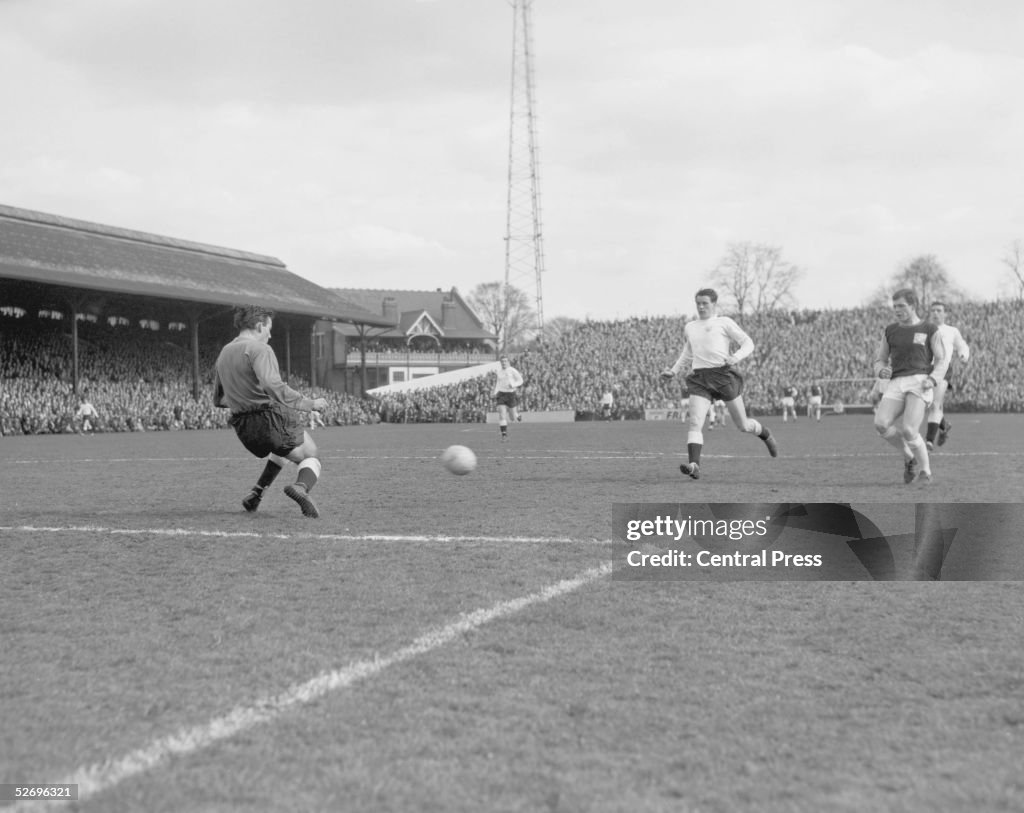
(458, 459)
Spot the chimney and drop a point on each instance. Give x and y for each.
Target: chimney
(448, 312)
(390, 309)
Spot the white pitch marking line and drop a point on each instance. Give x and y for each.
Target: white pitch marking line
(66, 461)
(426, 456)
(519, 454)
(327, 537)
(99, 777)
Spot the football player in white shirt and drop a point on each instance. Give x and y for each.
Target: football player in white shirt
(505, 391)
(708, 354)
(938, 426)
(86, 414)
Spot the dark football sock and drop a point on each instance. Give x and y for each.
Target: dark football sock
(270, 472)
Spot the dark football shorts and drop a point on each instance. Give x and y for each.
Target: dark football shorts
(507, 399)
(715, 383)
(269, 429)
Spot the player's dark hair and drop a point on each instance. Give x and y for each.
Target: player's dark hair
(710, 293)
(248, 316)
(941, 304)
(907, 295)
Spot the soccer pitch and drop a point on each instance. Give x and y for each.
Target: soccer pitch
(457, 643)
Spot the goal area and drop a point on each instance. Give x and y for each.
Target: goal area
(846, 394)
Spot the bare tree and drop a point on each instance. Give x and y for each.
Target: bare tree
(1014, 260)
(505, 311)
(927, 277)
(555, 329)
(757, 277)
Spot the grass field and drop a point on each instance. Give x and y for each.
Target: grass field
(458, 643)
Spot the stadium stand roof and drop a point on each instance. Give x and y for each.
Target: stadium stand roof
(409, 310)
(38, 249)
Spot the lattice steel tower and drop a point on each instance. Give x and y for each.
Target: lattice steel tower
(524, 248)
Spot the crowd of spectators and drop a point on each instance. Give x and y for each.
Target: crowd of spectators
(465, 402)
(399, 347)
(144, 384)
(834, 348)
(136, 381)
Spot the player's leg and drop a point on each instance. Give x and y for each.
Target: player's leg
(305, 455)
(935, 413)
(260, 433)
(698, 413)
(271, 469)
(877, 391)
(910, 428)
(738, 413)
(712, 418)
(943, 423)
(888, 411)
(890, 408)
(944, 427)
(503, 420)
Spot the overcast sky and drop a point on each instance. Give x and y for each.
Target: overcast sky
(365, 142)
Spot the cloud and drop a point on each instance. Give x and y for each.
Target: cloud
(305, 52)
(374, 135)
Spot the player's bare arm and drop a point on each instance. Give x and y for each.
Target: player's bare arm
(744, 342)
(882, 368)
(681, 363)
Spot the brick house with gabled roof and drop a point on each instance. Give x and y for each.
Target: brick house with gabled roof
(433, 332)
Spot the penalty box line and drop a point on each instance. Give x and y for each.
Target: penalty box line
(306, 537)
(99, 777)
